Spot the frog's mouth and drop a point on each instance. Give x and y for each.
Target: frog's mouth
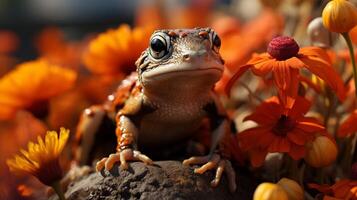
(173, 71)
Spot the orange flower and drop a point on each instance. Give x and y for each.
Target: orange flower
(278, 131)
(348, 127)
(9, 41)
(52, 45)
(115, 51)
(31, 84)
(150, 14)
(342, 190)
(284, 60)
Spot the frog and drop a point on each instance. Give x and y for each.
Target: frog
(166, 100)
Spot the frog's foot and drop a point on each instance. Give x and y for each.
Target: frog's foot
(122, 157)
(214, 162)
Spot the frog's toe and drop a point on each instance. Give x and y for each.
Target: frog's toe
(211, 164)
(196, 160)
(219, 172)
(122, 157)
(215, 162)
(112, 159)
(231, 176)
(100, 164)
(142, 157)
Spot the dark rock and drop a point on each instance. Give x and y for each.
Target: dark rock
(163, 180)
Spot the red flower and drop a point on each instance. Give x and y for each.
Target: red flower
(279, 131)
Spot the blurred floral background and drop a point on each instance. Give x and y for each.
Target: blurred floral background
(58, 57)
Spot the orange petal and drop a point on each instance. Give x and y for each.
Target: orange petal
(263, 68)
(309, 125)
(296, 137)
(297, 151)
(300, 107)
(295, 63)
(287, 82)
(266, 114)
(279, 144)
(235, 77)
(248, 138)
(348, 127)
(310, 83)
(326, 189)
(257, 157)
(323, 69)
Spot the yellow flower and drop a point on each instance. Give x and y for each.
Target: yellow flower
(115, 51)
(31, 84)
(42, 159)
(339, 16)
(269, 191)
(321, 152)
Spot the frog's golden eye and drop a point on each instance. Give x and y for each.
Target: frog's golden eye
(216, 41)
(159, 45)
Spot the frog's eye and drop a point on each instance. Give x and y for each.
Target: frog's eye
(159, 45)
(216, 42)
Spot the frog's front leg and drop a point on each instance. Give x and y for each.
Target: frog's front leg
(126, 132)
(216, 159)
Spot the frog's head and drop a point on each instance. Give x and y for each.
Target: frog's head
(181, 57)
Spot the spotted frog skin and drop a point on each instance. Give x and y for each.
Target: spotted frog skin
(167, 100)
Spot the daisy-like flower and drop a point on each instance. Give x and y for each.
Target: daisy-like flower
(30, 85)
(348, 127)
(279, 131)
(342, 190)
(284, 59)
(115, 51)
(41, 160)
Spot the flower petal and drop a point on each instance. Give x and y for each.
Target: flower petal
(263, 68)
(309, 125)
(315, 63)
(296, 137)
(235, 77)
(300, 108)
(267, 113)
(286, 80)
(348, 127)
(279, 144)
(248, 138)
(297, 151)
(257, 157)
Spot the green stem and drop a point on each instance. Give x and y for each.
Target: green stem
(352, 55)
(58, 189)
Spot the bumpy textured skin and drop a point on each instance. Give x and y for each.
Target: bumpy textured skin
(169, 99)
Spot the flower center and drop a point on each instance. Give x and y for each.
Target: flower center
(284, 125)
(283, 47)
